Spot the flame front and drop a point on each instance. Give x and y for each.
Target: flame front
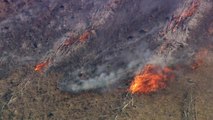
(40, 66)
(84, 36)
(151, 79)
(62, 49)
(177, 19)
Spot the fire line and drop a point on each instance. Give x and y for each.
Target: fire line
(40, 66)
(151, 79)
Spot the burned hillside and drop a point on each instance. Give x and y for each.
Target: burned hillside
(116, 59)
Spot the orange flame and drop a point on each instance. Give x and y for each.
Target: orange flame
(40, 66)
(184, 15)
(151, 79)
(68, 42)
(84, 36)
(62, 47)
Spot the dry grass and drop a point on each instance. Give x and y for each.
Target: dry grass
(29, 95)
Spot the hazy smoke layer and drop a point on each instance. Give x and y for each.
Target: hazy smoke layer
(126, 41)
(124, 35)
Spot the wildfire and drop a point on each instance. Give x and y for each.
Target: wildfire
(62, 47)
(68, 42)
(40, 66)
(151, 79)
(84, 36)
(176, 20)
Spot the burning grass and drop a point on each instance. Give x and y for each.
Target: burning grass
(39, 67)
(151, 79)
(84, 36)
(63, 47)
(188, 12)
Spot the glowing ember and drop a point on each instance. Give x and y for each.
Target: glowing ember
(62, 47)
(176, 20)
(68, 42)
(151, 79)
(40, 66)
(84, 36)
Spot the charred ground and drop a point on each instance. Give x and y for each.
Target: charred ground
(31, 31)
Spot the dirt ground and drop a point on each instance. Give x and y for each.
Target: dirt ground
(29, 95)
(189, 97)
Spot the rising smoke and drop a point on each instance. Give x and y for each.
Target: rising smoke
(128, 54)
(126, 46)
(123, 36)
